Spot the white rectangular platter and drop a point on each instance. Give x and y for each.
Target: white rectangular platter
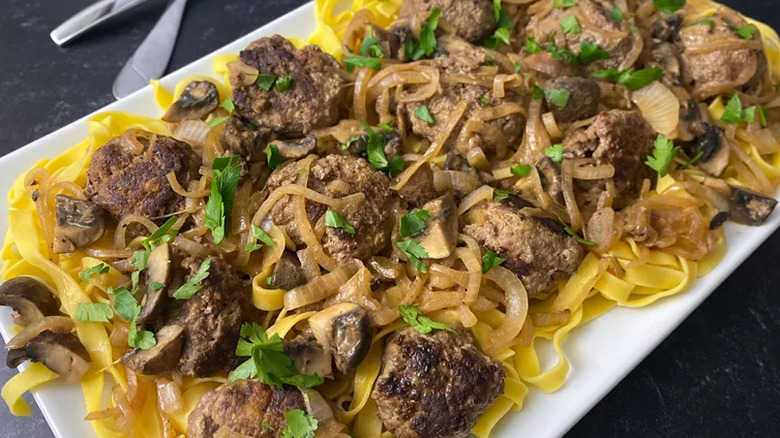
(601, 353)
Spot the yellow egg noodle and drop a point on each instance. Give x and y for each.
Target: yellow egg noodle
(647, 275)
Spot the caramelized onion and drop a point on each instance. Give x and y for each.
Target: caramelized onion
(193, 132)
(659, 106)
(56, 324)
(321, 287)
(516, 304)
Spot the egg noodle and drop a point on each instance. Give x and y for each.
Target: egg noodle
(639, 276)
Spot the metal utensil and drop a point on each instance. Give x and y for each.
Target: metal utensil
(151, 58)
(90, 17)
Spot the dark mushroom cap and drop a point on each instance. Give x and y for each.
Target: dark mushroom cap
(441, 230)
(62, 353)
(296, 149)
(550, 176)
(748, 207)
(710, 146)
(30, 298)
(79, 223)
(198, 99)
(309, 356)
(345, 330)
(158, 273)
(161, 358)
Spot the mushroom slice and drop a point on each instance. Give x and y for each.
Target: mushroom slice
(79, 223)
(344, 329)
(441, 230)
(157, 277)
(56, 324)
(748, 207)
(288, 273)
(550, 176)
(62, 353)
(198, 99)
(296, 149)
(161, 358)
(710, 146)
(309, 356)
(30, 298)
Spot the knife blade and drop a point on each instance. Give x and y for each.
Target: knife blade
(90, 17)
(151, 58)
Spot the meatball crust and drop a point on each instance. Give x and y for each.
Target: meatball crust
(435, 386)
(241, 408)
(125, 183)
(313, 99)
(474, 20)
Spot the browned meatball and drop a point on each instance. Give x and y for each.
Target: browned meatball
(620, 138)
(435, 386)
(536, 249)
(473, 20)
(241, 408)
(125, 183)
(311, 102)
(211, 319)
(741, 63)
(370, 233)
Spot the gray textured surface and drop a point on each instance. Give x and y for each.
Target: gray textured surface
(717, 375)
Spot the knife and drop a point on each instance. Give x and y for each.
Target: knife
(151, 58)
(89, 18)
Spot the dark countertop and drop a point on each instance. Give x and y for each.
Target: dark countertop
(716, 375)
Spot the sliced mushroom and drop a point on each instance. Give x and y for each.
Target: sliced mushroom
(245, 139)
(711, 144)
(550, 175)
(419, 189)
(62, 353)
(748, 207)
(158, 276)
(30, 298)
(667, 28)
(344, 329)
(288, 273)
(79, 223)
(296, 149)
(310, 356)
(516, 201)
(358, 146)
(441, 229)
(198, 99)
(161, 358)
(56, 324)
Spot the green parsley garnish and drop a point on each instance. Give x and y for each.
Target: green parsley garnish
(663, 152)
(537, 93)
(503, 29)
(142, 339)
(427, 44)
(590, 52)
(555, 152)
(668, 6)
(521, 170)
(617, 14)
(633, 80)
(485, 101)
(706, 21)
(100, 268)
(272, 156)
(370, 47)
(228, 105)
(268, 360)
(299, 424)
(128, 309)
(260, 235)
(334, 220)
(570, 25)
(563, 4)
(413, 223)
(362, 61)
(265, 81)
(423, 113)
(226, 172)
(490, 260)
(531, 46)
(577, 237)
(500, 195)
(558, 97)
(747, 31)
(516, 67)
(423, 324)
(155, 286)
(414, 252)
(375, 149)
(192, 286)
(165, 233)
(734, 113)
(559, 53)
(94, 312)
(283, 83)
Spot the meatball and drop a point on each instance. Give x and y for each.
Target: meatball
(473, 20)
(311, 102)
(211, 319)
(597, 15)
(620, 138)
(123, 182)
(536, 249)
(583, 99)
(241, 408)
(357, 176)
(435, 386)
(740, 63)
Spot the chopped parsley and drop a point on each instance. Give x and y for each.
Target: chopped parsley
(128, 309)
(693, 160)
(267, 360)
(423, 324)
(591, 52)
(193, 285)
(423, 113)
(370, 47)
(500, 195)
(272, 156)
(226, 104)
(414, 252)
(427, 44)
(165, 233)
(531, 46)
(299, 424)
(413, 223)
(265, 81)
(537, 93)
(226, 172)
(747, 31)
(520, 170)
(668, 6)
(559, 53)
(94, 312)
(155, 286)
(485, 101)
(388, 127)
(142, 339)
(633, 80)
(664, 151)
(735, 114)
(362, 61)
(555, 152)
(260, 235)
(503, 29)
(100, 268)
(516, 67)
(375, 149)
(334, 220)
(490, 260)
(701, 21)
(577, 237)
(617, 14)
(563, 4)
(558, 97)
(283, 83)
(570, 25)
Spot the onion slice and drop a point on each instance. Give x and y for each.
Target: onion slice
(659, 106)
